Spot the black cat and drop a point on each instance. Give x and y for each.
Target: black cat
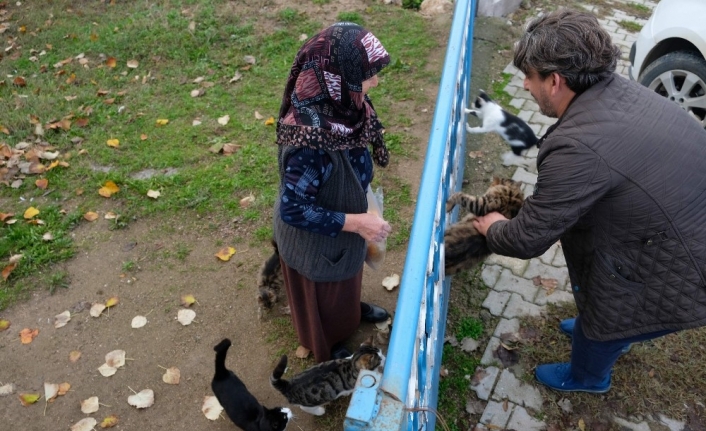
(242, 408)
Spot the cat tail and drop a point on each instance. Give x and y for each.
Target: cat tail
(221, 352)
(276, 379)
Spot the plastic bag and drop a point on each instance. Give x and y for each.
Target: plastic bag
(375, 255)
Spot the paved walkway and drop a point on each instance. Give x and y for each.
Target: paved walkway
(513, 294)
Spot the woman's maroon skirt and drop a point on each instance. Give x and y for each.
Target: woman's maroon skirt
(323, 313)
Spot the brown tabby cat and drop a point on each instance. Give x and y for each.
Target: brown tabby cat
(270, 280)
(463, 245)
(325, 382)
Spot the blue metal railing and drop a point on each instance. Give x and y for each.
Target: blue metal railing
(405, 396)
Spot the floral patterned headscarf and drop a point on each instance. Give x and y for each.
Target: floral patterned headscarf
(323, 105)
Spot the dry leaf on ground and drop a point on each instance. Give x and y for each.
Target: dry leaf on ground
(391, 281)
(138, 322)
(90, 405)
(211, 408)
(154, 194)
(27, 399)
(225, 253)
(302, 352)
(172, 376)
(91, 216)
(27, 335)
(51, 391)
(112, 301)
(270, 121)
(74, 355)
(85, 424)
(4, 324)
(223, 120)
(108, 189)
(106, 370)
(97, 309)
(142, 399)
(30, 212)
(187, 300)
(246, 201)
(7, 389)
(185, 316)
(115, 143)
(162, 122)
(109, 421)
(64, 388)
(6, 271)
(62, 319)
(133, 64)
(115, 359)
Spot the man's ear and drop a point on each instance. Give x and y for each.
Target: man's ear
(558, 83)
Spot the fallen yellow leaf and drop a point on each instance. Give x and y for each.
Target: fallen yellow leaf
(91, 216)
(74, 355)
(64, 388)
(108, 189)
(27, 399)
(270, 121)
(111, 302)
(109, 422)
(162, 122)
(31, 212)
(111, 62)
(115, 143)
(187, 300)
(4, 324)
(225, 253)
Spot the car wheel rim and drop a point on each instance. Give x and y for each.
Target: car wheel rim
(686, 89)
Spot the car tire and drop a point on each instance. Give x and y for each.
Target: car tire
(667, 76)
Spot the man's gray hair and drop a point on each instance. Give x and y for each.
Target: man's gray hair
(570, 43)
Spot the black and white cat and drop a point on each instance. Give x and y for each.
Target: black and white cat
(513, 129)
(316, 386)
(240, 405)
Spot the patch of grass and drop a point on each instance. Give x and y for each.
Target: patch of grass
(454, 389)
(411, 4)
(351, 17)
(630, 26)
(57, 279)
(68, 75)
(501, 96)
(635, 9)
(129, 266)
(469, 327)
(650, 378)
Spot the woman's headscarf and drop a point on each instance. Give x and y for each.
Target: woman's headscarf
(323, 105)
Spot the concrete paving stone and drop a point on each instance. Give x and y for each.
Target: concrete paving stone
(511, 89)
(549, 255)
(495, 302)
(545, 127)
(525, 115)
(522, 394)
(524, 93)
(511, 69)
(627, 425)
(532, 152)
(518, 307)
(518, 81)
(490, 274)
(488, 356)
(495, 415)
(479, 427)
(517, 266)
(528, 189)
(618, 36)
(526, 177)
(507, 326)
(589, 7)
(631, 37)
(538, 117)
(522, 420)
(537, 268)
(531, 105)
(536, 128)
(485, 386)
(517, 103)
(560, 295)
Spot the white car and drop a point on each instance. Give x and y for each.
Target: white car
(669, 55)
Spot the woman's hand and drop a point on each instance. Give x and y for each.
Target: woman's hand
(370, 226)
(482, 224)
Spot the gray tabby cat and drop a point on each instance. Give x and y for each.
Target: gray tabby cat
(327, 381)
(463, 245)
(269, 281)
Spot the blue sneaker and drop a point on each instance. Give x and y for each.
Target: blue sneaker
(567, 327)
(558, 377)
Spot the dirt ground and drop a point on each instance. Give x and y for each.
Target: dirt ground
(225, 292)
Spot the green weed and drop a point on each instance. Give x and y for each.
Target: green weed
(631, 26)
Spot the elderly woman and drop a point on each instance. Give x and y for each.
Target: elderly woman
(321, 225)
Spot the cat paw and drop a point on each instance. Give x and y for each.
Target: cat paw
(470, 129)
(451, 202)
(472, 112)
(316, 411)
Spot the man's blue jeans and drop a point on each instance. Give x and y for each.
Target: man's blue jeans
(592, 361)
